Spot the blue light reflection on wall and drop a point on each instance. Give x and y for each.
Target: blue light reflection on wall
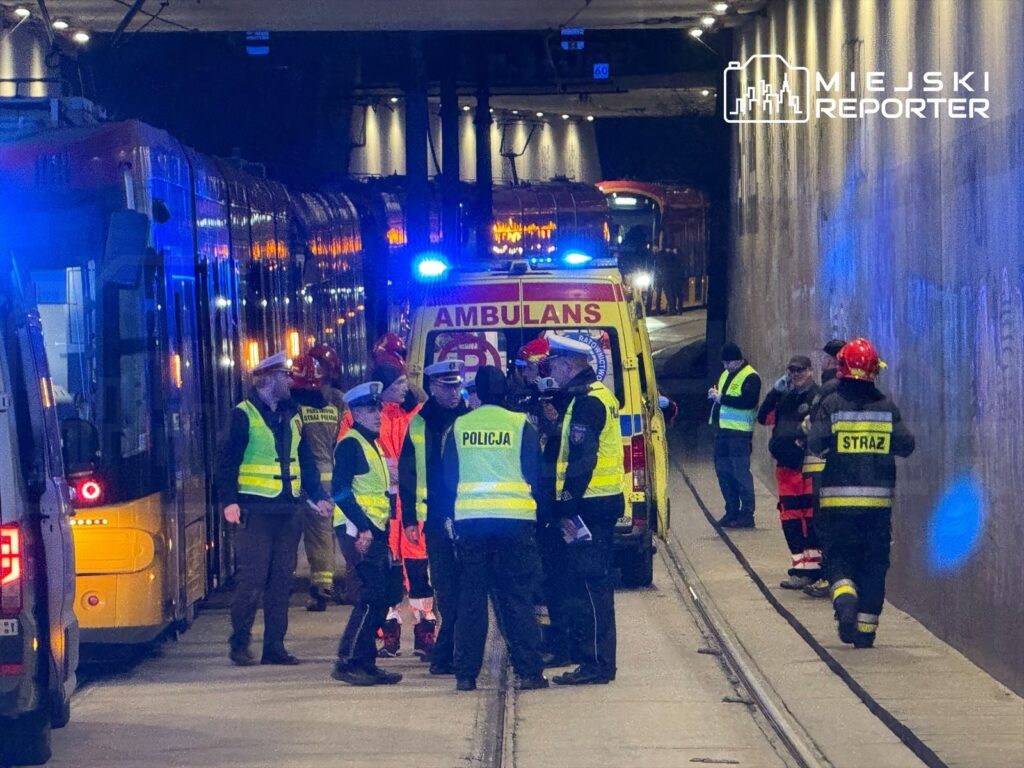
(956, 524)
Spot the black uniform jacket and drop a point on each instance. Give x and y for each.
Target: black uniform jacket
(439, 420)
(873, 470)
(788, 439)
(234, 449)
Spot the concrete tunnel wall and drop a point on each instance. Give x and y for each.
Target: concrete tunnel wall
(906, 231)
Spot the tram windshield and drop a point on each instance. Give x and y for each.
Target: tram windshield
(100, 361)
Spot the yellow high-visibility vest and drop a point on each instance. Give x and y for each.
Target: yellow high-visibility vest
(370, 489)
(263, 472)
(489, 442)
(418, 436)
(610, 468)
(736, 419)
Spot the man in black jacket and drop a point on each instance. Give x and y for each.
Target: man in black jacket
(783, 409)
(858, 431)
(588, 492)
(734, 406)
(264, 464)
(421, 488)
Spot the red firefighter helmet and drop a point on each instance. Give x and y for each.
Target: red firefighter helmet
(306, 372)
(533, 352)
(330, 362)
(389, 358)
(390, 343)
(858, 360)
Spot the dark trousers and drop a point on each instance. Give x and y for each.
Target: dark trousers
(590, 598)
(553, 588)
(732, 465)
(503, 563)
(445, 578)
(857, 548)
(347, 544)
(266, 548)
(379, 583)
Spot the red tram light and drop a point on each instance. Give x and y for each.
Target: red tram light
(10, 570)
(90, 491)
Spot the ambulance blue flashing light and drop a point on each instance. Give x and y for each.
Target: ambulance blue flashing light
(576, 258)
(430, 266)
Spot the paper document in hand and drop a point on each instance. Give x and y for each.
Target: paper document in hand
(575, 530)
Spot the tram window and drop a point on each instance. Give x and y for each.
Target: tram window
(492, 347)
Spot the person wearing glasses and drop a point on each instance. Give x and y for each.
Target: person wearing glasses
(783, 410)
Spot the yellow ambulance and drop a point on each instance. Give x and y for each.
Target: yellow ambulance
(483, 318)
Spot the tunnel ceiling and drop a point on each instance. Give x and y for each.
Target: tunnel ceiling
(384, 15)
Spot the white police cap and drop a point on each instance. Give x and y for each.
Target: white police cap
(562, 346)
(278, 362)
(446, 371)
(364, 394)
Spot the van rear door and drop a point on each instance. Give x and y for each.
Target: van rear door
(54, 508)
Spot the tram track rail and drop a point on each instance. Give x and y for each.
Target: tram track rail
(786, 721)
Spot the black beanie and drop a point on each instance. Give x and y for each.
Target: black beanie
(731, 352)
(386, 374)
(490, 385)
(832, 347)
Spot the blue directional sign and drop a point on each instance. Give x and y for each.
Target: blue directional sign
(572, 39)
(257, 42)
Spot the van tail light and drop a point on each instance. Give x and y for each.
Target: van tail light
(638, 463)
(11, 561)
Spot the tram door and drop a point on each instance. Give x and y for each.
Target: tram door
(185, 430)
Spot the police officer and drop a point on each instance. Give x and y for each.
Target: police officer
(321, 409)
(858, 431)
(360, 488)
(588, 487)
(262, 464)
(421, 487)
(733, 409)
(491, 458)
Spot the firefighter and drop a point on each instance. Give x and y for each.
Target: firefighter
(264, 463)
(783, 409)
(814, 464)
(360, 487)
(420, 484)
(321, 409)
(399, 408)
(525, 395)
(858, 432)
(490, 459)
(734, 406)
(588, 490)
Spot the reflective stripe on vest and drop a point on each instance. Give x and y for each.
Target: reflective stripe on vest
(736, 419)
(370, 489)
(262, 472)
(862, 431)
(489, 443)
(418, 436)
(855, 497)
(609, 471)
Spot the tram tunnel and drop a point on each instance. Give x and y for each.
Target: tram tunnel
(824, 170)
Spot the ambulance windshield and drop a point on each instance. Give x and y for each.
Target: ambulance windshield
(498, 347)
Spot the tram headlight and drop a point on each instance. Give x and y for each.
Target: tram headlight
(642, 280)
